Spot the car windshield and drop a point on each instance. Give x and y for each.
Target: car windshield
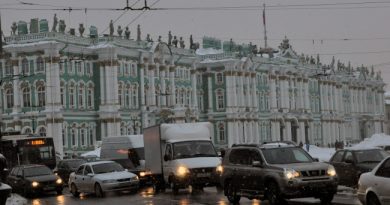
(366, 156)
(107, 168)
(190, 149)
(74, 164)
(37, 171)
(286, 155)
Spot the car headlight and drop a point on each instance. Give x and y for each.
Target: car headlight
(59, 181)
(182, 171)
(142, 174)
(291, 174)
(331, 171)
(34, 184)
(134, 178)
(219, 169)
(109, 181)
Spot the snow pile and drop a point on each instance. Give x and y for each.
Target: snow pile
(208, 51)
(323, 154)
(374, 141)
(15, 199)
(95, 152)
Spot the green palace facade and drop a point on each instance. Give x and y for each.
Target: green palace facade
(80, 89)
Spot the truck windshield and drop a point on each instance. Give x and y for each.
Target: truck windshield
(191, 149)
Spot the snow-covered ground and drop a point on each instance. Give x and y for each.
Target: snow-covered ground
(95, 152)
(15, 199)
(323, 154)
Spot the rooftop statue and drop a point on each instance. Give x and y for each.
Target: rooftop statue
(81, 29)
(62, 26)
(55, 22)
(372, 71)
(127, 33)
(148, 39)
(14, 27)
(159, 39)
(332, 63)
(318, 59)
(174, 41)
(169, 38)
(111, 26)
(120, 31)
(181, 42)
(138, 33)
(302, 58)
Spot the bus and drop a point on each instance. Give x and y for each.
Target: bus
(28, 149)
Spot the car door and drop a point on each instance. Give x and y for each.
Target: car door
(20, 182)
(256, 172)
(240, 168)
(337, 162)
(349, 171)
(88, 179)
(12, 179)
(78, 178)
(168, 166)
(382, 182)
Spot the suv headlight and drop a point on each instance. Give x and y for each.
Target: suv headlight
(34, 184)
(331, 171)
(182, 171)
(291, 173)
(219, 169)
(59, 181)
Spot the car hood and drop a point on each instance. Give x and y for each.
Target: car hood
(199, 162)
(42, 178)
(114, 175)
(303, 166)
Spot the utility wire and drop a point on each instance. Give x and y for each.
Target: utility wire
(139, 15)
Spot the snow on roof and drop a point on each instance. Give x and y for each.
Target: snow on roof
(374, 141)
(387, 94)
(208, 51)
(17, 45)
(102, 45)
(321, 153)
(95, 152)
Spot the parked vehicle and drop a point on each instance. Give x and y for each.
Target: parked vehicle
(351, 163)
(5, 189)
(181, 155)
(34, 179)
(275, 171)
(374, 186)
(127, 150)
(100, 177)
(67, 166)
(385, 147)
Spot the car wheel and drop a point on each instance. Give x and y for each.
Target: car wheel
(273, 194)
(74, 191)
(219, 188)
(173, 186)
(372, 199)
(59, 191)
(98, 191)
(231, 193)
(326, 199)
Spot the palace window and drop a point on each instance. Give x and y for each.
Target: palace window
(8, 68)
(135, 96)
(219, 78)
(26, 97)
(81, 96)
(73, 136)
(71, 96)
(62, 93)
(9, 98)
(41, 96)
(90, 97)
(42, 132)
(221, 132)
(83, 137)
(220, 99)
(25, 68)
(79, 67)
(40, 64)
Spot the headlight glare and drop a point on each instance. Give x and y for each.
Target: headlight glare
(219, 169)
(59, 181)
(182, 171)
(34, 184)
(331, 171)
(142, 174)
(291, 174)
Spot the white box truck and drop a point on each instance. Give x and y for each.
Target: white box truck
(181, 155)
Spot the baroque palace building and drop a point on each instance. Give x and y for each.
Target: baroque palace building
(79, 89)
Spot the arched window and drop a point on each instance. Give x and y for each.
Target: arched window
(127, 96)
(90, 97)
(25, 68)
(63, 138)
(41, 96)
(42, 132)
(83, 137)
(8, 68)
(27, 131)
(73, 136)
(120, 94)
(81, 96)
(135, 96)
(219, 78)
(26, 97)
(72, 94)
(9, 98)
(62, 93)
(221, 132)
(40, 64)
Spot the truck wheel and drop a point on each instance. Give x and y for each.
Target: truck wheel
(74, 191)
(231, 193)
(273, 194)
(173, 185)
(326, 199)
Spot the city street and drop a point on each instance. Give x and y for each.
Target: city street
(147, 196)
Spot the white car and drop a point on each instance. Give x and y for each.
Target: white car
(100, 177)
(374, 186)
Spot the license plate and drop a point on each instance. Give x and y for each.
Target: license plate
(203, 175)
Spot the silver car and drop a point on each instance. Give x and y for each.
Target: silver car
(374, 186)
(100, 177)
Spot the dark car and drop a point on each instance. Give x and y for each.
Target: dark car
(67, 166)
(275, 171)
(34, 179)
(351, 163)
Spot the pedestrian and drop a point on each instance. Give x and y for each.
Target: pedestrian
(307, 145)
(301, 144)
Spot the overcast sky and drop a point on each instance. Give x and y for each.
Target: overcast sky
(351, 30)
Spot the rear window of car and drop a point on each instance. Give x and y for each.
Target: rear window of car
(366, 156)
(37, 171)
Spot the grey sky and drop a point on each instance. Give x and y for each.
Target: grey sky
(366, 28)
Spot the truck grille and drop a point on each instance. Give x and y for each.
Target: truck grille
(202, 170)
(313, 173)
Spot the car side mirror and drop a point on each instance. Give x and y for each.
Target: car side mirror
(90, 174)
(316, 159)
(167, 157)
(348, 161)
(257, 164)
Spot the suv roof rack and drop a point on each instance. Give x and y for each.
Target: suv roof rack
(245, 145)
(281, 142)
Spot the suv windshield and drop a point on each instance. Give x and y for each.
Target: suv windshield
(375, 155)
(286, 155)
(190, 149)
(37, 171)
(107, 168)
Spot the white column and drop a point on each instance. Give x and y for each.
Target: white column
(273, 95)
(194, 90)
(231, 135)
(288, 131)
(163, 89)
(241, 90)
(152, 86)
(173, 88)
(233, 91)
(301, 137)
(210, 93)
(307, 101)
(142, 85)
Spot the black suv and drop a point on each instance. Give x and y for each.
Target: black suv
(276, 171)
(67, 166)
